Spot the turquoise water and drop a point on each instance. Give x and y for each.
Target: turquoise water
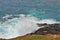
(20, 17)
(43, 9)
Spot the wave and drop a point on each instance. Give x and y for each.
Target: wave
(21, 25)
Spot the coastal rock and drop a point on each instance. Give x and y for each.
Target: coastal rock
(48, 29)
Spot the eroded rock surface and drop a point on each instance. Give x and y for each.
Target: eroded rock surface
(48, 29)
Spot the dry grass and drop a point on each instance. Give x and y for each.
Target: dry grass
(38, 37)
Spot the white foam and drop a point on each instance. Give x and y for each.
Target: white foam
(6, 16)
(21, 26)
(18, 27)
(48, 21)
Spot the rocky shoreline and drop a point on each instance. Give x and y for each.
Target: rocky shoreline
(48, 29)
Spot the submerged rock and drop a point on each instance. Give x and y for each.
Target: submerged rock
(48, 29)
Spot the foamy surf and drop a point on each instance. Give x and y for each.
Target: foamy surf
(20, 26)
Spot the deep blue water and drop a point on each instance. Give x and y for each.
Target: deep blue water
(39, 8)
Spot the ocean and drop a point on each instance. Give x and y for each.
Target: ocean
(20, 17)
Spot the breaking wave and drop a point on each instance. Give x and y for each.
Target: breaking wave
(20, 25)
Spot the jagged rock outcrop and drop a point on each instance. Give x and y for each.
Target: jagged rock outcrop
(48, 29)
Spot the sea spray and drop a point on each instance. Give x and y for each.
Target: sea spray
(20, 26)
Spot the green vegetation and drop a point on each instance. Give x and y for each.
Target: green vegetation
(34, 37)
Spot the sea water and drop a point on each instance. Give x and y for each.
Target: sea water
(20, 17)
